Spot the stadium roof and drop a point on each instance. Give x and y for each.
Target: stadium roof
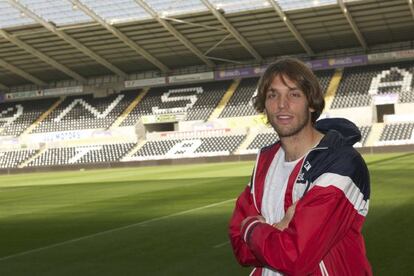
(43, 41)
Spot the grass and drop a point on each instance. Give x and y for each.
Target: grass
(168, 220)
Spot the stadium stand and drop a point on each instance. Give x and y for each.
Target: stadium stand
(365, 130)
(358, 84)
(82, 155)
(263, 139)
(197, 100)
(13, 158)
(324, 77)
(85, 112)
(406, 96)
(240, 103)
(395, 132)
(176, 148)
(15, 117)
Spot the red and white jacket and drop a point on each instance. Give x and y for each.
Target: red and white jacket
(332, 186)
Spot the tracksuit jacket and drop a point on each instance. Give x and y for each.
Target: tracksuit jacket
(331, 184)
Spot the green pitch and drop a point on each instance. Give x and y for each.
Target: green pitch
(168, 220)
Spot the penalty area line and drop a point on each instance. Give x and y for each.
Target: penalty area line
(115, 230)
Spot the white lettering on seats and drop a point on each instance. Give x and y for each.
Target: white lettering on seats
(10, 119)
(81, 152)
(170, 96)
(404, 84)
(185, 147)
(89, 107)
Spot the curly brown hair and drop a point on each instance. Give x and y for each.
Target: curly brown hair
(298, 72)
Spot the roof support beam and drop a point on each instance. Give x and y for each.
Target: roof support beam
(217, 44)
(121, 36)
(411, 5)
(207, 27)
(167, 25)
(67, 38)
(21, 73)
(232, 30)
(351, 22)
(42, 56)
(291, 27)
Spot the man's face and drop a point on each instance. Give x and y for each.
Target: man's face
(286, 107)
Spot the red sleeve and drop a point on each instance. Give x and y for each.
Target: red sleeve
(244, 208)
(322, 218)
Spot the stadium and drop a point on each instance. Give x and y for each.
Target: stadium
(127, 128)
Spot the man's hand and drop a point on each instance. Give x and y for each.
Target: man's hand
(283, 224)
(260, 218)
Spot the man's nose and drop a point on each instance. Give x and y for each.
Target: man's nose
(282, 101)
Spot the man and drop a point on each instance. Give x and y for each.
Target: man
(303, 210)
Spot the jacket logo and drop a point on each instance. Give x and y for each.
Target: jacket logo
(307, 166)
(301, 178)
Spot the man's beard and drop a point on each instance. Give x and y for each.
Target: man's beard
(290, 131)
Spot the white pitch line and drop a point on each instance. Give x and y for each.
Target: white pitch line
(114, 230)
(221, 244)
